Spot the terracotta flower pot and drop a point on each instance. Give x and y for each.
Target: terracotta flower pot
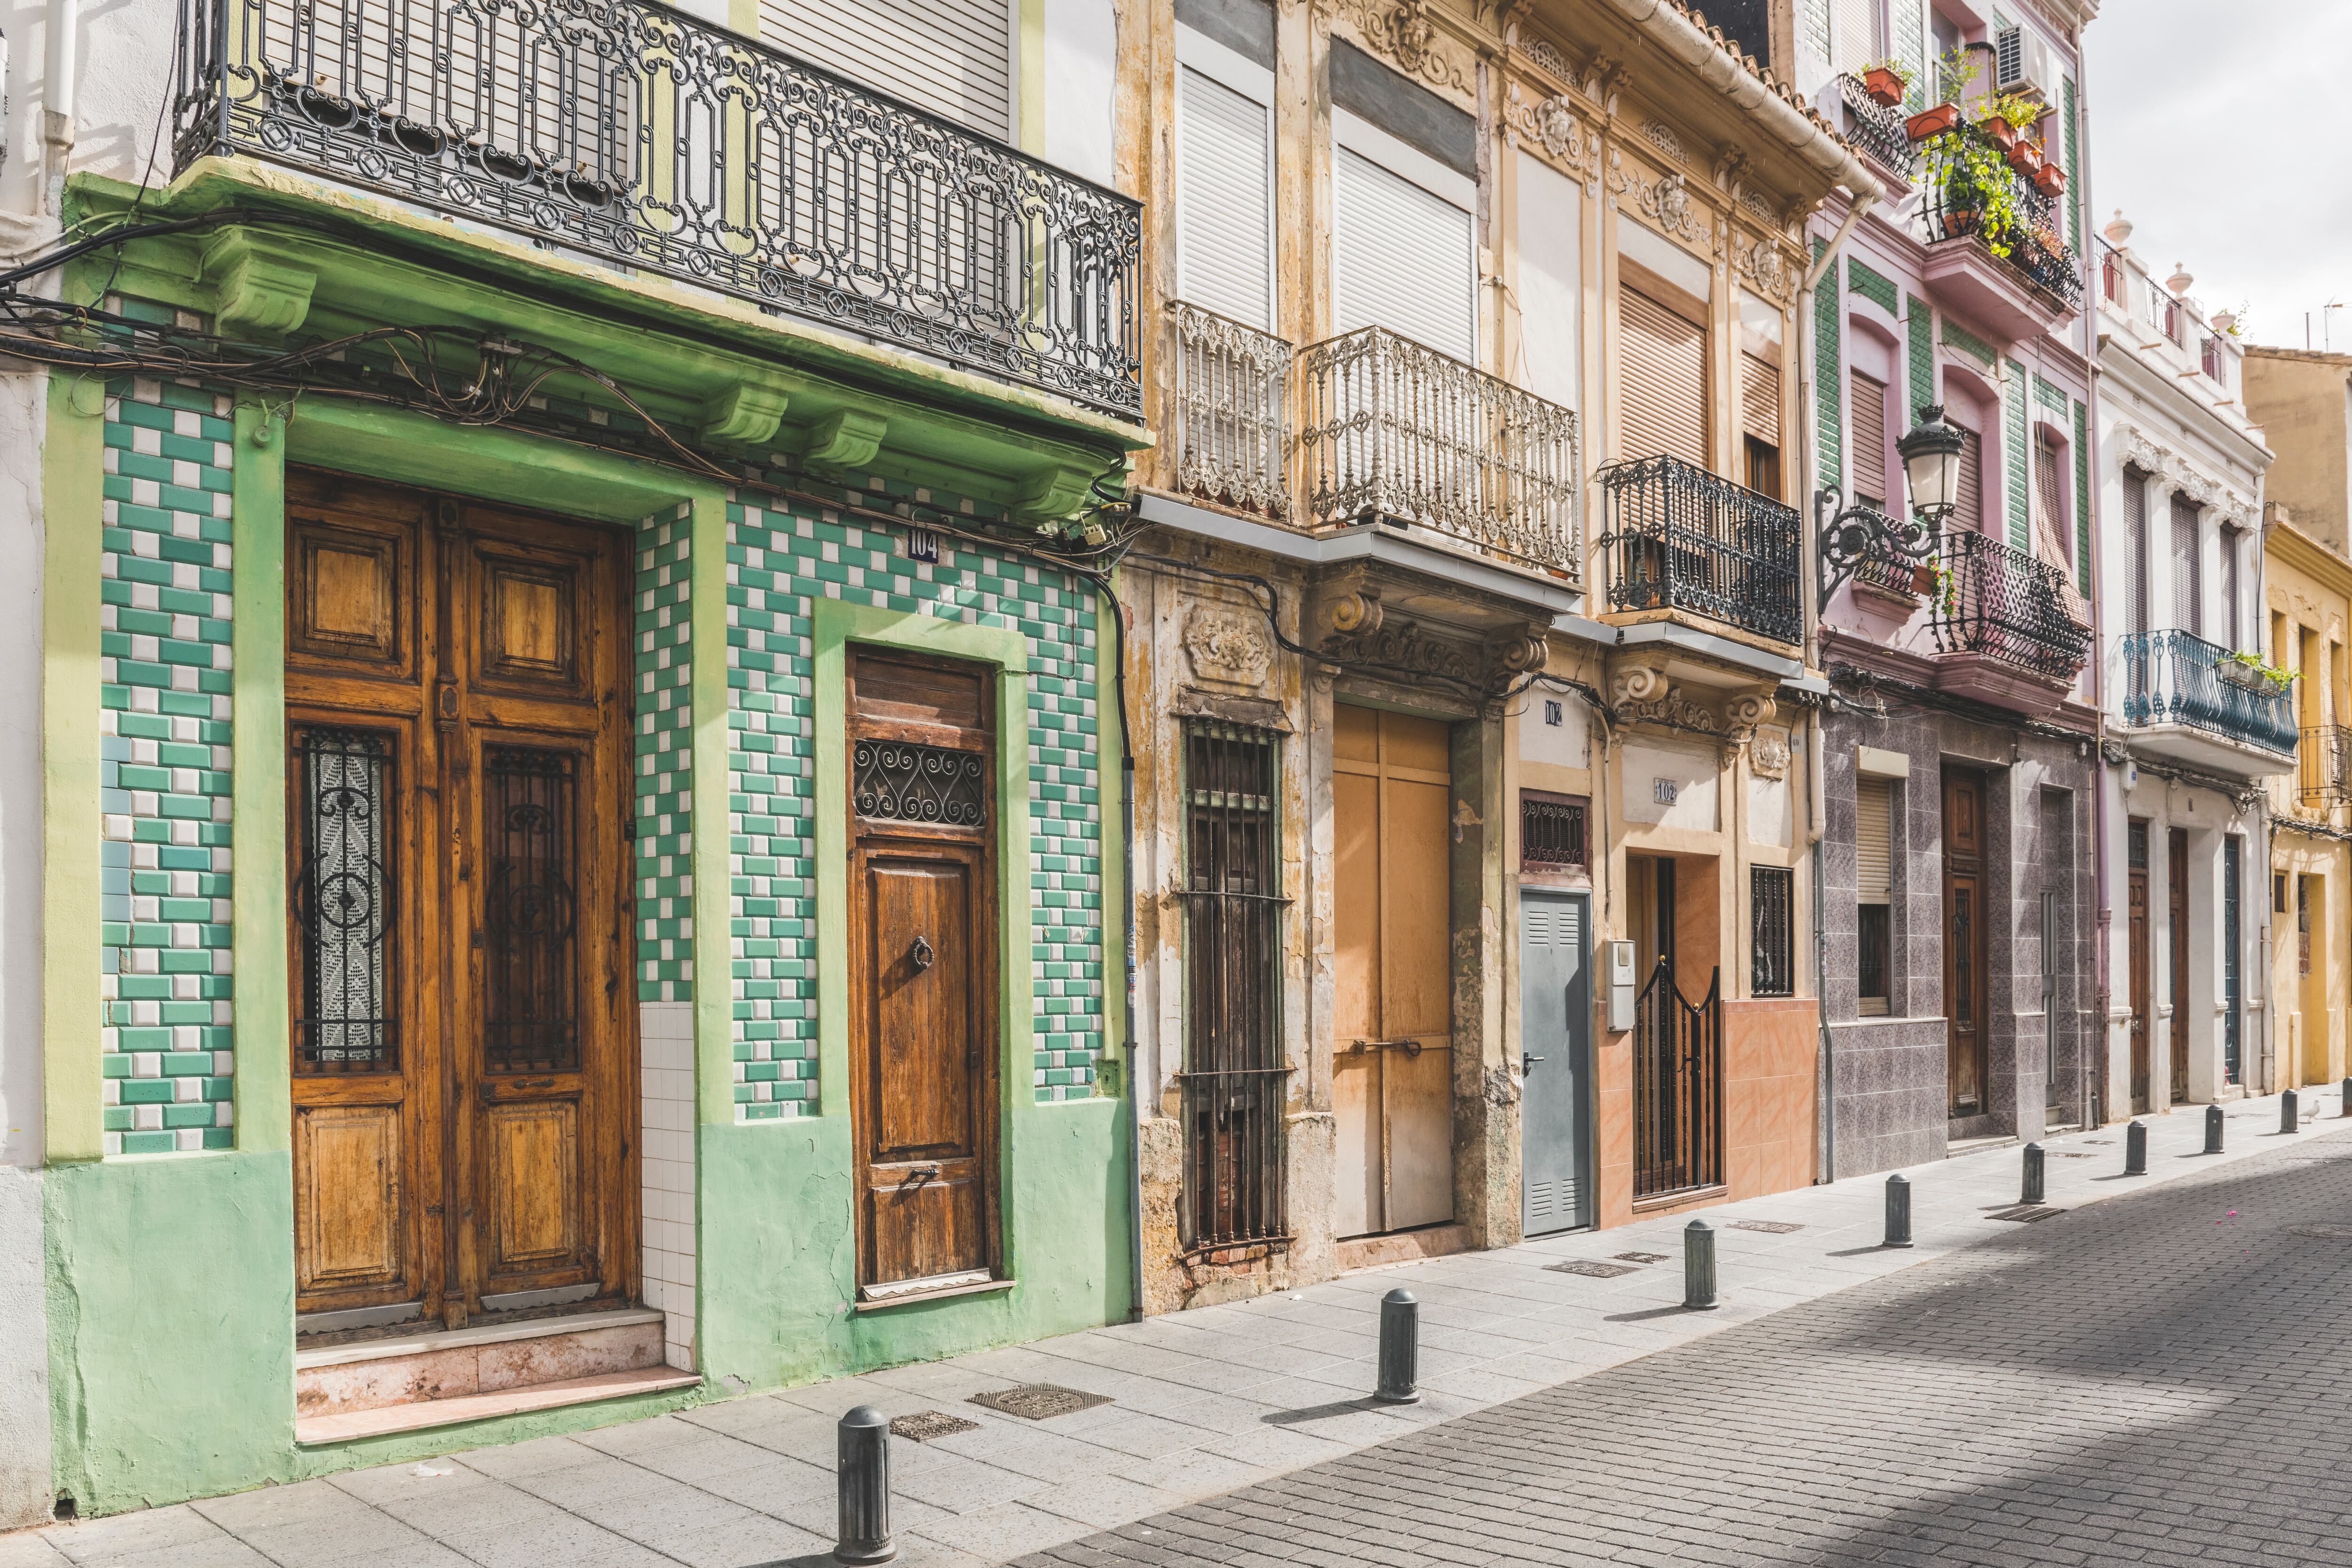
(1885, 88)
(2026, 158)
(1923, 580)
(2001, 132)
(2050, 180)
(1962, 221)
(1933, 122)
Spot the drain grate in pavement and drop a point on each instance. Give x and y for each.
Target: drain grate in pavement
(2322, 1232)
(1592, 1267)
(1769, 1227)
(2070, 1155)
(2026, 1213)
(1640, 1257)
(928, 1424)
(1039, 1401)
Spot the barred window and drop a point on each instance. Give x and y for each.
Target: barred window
(1770, 923)
(1553, 832)
(1233, 1076)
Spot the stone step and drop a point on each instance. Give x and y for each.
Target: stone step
(310, 1431)
(446, 1364)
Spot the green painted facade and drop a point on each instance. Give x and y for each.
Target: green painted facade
(170, 1216)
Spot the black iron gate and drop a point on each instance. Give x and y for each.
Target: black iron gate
(1678, 1087)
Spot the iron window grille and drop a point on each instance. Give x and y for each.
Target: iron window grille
(530, 909)
(2325, 765)
(1553, 832)
(640, 135)
(1234, 1081)
(898, 781)
(1771, 929)
(1678, 1087)
(343, 898)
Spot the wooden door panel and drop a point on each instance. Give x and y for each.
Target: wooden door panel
(1965, 993)
(1417, 1091)
(1416, 989)
(350, 1203)
(2177, 894)
(920, 914)
(535, 1188)
(924, 1225)
(1356, 1205)
(1355, 906)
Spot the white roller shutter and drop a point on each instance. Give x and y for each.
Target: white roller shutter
(952, 57)
(1402, 260)
(1225, 201)
(1873, 836)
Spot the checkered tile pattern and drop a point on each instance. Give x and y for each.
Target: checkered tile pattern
(166, 1048)
(664, 757)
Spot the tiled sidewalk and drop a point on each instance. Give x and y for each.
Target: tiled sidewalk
(1203, 1402)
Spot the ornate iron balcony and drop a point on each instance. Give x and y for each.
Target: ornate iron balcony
(1882, 134)
(1683, 539)
(2175, 677)
(1998, 600)
(1395, 430)
(1232, 425)
(2033, 244)
(637, 134)
(2326, 766)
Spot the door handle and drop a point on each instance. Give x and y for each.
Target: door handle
(923, 954)
(1526, 1062)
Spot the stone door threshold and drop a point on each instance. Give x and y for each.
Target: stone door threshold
(431, 1339)
(1403, 1246)
(1955, 1148)
(314, 1431)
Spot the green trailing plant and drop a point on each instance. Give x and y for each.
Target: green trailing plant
(1972, 176)
(1956, 71)
(1948, 588)
(1901, 71)
(2276, 678)
(2015, 107)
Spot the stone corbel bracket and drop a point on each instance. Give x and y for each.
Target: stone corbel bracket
(1053, 496)
(746, 415)
(844, 442)
(261, 285)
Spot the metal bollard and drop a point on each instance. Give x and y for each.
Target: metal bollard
(2212, 1129)
(1698, 1267)
(864, 1474)
(1899, 1210)
(2030, 1190)
(2347, 1097)
(2136, 1150)
(2290, 1106)
(1400, 1349)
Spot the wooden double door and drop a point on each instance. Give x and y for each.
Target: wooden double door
(460, 963)
(1966, 992)
(1392, 1054)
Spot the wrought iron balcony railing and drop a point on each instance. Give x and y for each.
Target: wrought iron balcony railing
(1683, 539)
(2176, 678)
(637, 134)
(1881, 133)
(1393, 429)
(1958, 204)
(1998, 600)
(1232, 424)
(2324, 766)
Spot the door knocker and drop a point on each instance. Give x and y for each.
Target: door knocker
(923, 954)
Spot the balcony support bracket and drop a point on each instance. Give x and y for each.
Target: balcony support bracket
(1053, 495)
(747, 414)
(845, 441)
(261, 285)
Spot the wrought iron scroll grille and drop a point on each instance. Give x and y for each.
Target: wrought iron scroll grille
(1680, 538)
(2326, 759)
(2178, 678)
(1234, 1079)
(1553, 830)
(1953, 207)
(1678, 1087)
(898, 781)
(1772, 931)
(640, 135)
(1395, 430)
(343, 898)
(531, 911)
(1881, 133)
(1232, 411)
(1998, 600)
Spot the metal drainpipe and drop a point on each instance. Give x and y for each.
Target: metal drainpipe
(62, 67)
(2095, 1063)
(1808, 577)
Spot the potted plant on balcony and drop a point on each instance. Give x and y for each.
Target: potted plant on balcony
(2049, 179)
(2253, 672)
(2025, 157)
(1933, 122)
(1975, 190)
(1888, 82)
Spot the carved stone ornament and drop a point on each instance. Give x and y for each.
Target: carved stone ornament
(1749, 709)
(1549, 58)
(1553, 124)
(1675, 710)
(1404, 647)
(1767, 269)
(1768, 756)
(1639, 684)
(1665, 201)
(1401, 30)
(1227, 646)
(1519, 652)
(2152, 457)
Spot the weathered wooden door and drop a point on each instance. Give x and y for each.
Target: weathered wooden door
(1964, 940)
(2142, 984)
(1392, 1067)
(2177, 894)
(464, 1033)
(922, 762)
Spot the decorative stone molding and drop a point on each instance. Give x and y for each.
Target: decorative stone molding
(1401, 30)
(2144, 452)
(1553, 124)
(1405, 647)
(1637, 684)
(1767, 267)
(1548, 59)
(1768, 755)
(1675, 710)
(1228, 647)
(1749, 709)
(1665, 201)
(1517, 652)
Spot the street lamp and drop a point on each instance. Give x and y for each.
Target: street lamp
(1931, 470)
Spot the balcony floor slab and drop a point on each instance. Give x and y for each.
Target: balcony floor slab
(1982, 288)
(1981, 678)
(2206, 751)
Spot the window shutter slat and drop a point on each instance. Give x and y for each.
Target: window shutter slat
(953, 57)
(2187, 584)
(1661, 381)
(1873, 841)
(1402, 260)
(1868, 400)
(1224, 219)
(1970, 509)
(1759, 399)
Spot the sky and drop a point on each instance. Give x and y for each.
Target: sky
(2221, 128)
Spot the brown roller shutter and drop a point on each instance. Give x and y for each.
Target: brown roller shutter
(1873, 839)
(1867, 401)
(1662, 377)
(1759, 399)
(1970, 512)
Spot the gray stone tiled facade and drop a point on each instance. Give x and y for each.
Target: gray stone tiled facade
(1889, 1076)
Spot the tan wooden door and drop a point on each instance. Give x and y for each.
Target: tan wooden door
(1392, 1064)
(2142, 984)
(923, 1061)
(2177, 892)
(465, 1025)
(1964, 940)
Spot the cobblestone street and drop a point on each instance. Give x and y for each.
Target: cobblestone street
(2155, 1381)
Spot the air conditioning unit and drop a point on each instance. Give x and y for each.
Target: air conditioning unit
(2023, 64)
